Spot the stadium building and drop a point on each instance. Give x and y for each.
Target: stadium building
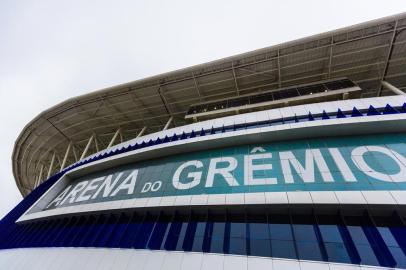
(287, 157)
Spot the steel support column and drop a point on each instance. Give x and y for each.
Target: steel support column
(65, 158)
(89, 142)
(39, 176)
(168, 123)
(114, 138)
(51, 165)
(394, 89)
(141, 132)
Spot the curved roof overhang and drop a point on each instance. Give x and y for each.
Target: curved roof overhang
(366, 53)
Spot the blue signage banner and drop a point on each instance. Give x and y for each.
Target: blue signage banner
(375, 162)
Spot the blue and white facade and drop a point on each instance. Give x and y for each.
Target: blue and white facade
(315, 186)
(291, 157)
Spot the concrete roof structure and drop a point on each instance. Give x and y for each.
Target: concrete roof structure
(367, 54)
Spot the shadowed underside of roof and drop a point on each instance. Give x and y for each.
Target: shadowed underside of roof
(366, 53)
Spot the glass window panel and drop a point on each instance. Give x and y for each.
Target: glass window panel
(238, 246)
(367, 255)
(330, 233)
(200, 229)
(260, 247)
(189, 236)
(399, 256)
(358, 235)
(181, 235)
(387, 237)
(173, 235)
(280, 227)
(400, 235)
(304, 232)
(304, 228)
(259, 231)
(144, 232)
(336, 252)
(283, 249)
(309, 251)
(157, 235)
(198, 244)
(216, 245)
(237, 230)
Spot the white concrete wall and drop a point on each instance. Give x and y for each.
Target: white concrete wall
(126, 259)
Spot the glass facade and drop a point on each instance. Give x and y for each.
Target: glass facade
(361, 238)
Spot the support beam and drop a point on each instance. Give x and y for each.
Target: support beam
(142, 132)
(168, 123)
(96, 143)
(394, 89)
(65, 158)
(74, 153)
(89, 142)
(388, 56)
(235, 79)
(330, 58)
(39, 177)
(51, 165)
(196, 86)
(118, 132)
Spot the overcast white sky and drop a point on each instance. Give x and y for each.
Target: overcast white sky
(53, 50)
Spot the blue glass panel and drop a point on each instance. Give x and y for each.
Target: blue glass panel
(283, 249)
(238, 230)
(237, 246)
(131, 231)
(173, 235)
(75, 231)
(304, 232)
(337, 252)
(330, 233)
(309, 251)
(367, 254)
(197, 245)
(144, 232)
(217, 245)
(280, 227)
(259, 231)
(77, 239)
(181, 236)
(119, 230)
(399, 256)
(105, 234)
(158, 234)
(96, 231)
(260, 247)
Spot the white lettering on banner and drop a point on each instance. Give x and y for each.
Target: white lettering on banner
(128, 184)
(225, 169)
(72, 194)
(359, 160)
(306, 173)
(58, 199)
(342, 165)
(93, 184)
(249, 169)
(107, 185)
(195, 175)
(225, 172)
(257, 149)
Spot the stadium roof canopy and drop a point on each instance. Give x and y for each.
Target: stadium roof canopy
(366, 53)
